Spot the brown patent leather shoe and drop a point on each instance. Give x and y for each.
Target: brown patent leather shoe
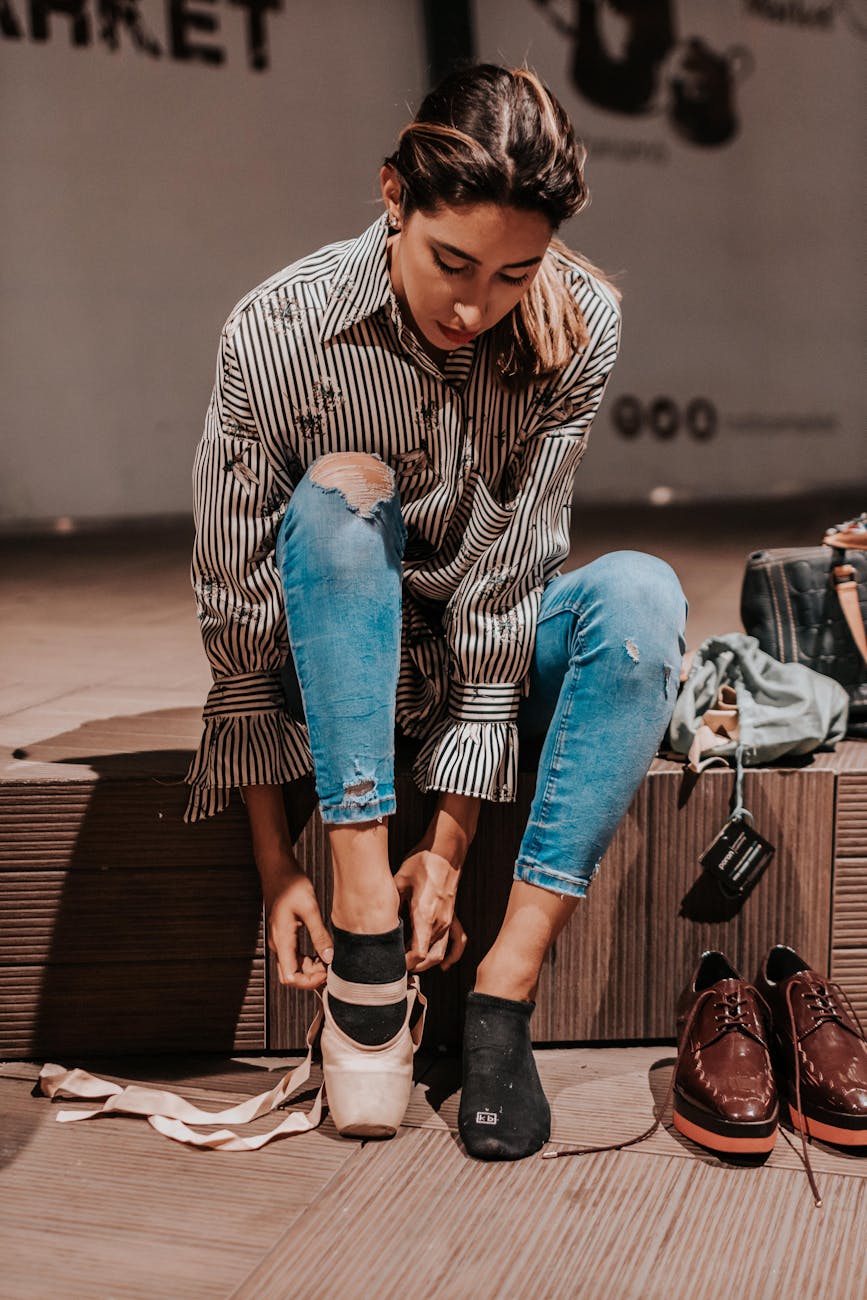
(824, 1082)
(725, 1097)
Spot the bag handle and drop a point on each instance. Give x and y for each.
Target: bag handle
(847, 593)
(850, 536)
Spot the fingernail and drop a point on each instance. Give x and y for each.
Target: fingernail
(328, 956)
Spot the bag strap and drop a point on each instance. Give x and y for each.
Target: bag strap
(851, 536)
(846, 586)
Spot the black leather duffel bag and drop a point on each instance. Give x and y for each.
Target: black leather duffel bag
(808, 605)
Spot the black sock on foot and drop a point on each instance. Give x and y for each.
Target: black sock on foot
(368, 959)
(504, 1113)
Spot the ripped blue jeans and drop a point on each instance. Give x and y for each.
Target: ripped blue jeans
(603, 680)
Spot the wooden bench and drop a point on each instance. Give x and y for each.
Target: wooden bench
(125, 931)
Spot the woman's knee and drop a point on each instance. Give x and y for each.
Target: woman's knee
(363, 480)
(637, 578)
(323, 520)
(640, 600)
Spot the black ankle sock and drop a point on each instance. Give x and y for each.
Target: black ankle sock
(504, 1113)
(368, 959)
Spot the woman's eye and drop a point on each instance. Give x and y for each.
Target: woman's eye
(511, 279)
(444, 266)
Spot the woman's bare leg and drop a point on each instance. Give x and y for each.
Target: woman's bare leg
(365, 898)
(533, 920)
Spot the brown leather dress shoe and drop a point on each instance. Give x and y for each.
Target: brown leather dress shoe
(725, 1097)
(824, 1081)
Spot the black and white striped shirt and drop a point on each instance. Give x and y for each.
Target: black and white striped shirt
(317, 360)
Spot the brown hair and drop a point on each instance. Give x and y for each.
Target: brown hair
(497, 135)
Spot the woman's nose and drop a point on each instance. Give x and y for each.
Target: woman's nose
(470, 315)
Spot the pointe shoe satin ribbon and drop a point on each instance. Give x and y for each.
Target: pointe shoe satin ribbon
(170, 1114)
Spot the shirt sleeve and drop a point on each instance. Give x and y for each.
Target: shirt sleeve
(249, 737)
(490, 621)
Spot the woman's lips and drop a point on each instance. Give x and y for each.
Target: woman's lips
(456, 336)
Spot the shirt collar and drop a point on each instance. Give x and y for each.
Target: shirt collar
(361, 284)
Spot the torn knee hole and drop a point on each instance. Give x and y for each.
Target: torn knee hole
(362, 480)
(632, 650)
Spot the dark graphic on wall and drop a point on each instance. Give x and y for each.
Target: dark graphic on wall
(655, 71)
(700, 419)
(664, 418)
(810, 15)
(191, 32)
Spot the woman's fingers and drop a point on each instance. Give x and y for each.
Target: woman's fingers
(422, 937)
(310, 974)
(457, 942)
(308, 910)
(445, 950)
(292, 906)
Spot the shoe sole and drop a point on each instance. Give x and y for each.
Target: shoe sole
(367, 1131)
(839, 1136)
(729, 1137)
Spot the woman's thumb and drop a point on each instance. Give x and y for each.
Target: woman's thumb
(321, 939)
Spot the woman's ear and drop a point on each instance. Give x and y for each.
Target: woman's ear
(391, 194)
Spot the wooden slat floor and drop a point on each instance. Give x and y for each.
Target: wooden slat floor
(111, 1209)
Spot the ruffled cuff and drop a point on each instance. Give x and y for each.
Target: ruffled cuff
(475, 758)
(249, 739)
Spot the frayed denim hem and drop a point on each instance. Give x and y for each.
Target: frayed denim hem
(355, 810)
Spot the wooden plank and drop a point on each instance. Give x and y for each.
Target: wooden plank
(587, 991)
(593, 983)
(607, 1095)
(850, 902)
(851, 816)
(849, 969)
(849, 929)
(686, 914)
(208, 1078)
(71, 1010)
(111, 1208)
(414, 1216)
(650, 912)
(45, 826)
(125, 915)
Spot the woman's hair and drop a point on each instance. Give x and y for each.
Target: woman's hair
(496, 135)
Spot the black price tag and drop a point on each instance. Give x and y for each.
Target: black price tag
(737, 857)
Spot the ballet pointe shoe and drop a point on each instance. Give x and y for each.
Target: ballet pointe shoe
(368, 1088)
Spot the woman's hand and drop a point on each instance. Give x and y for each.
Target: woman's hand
(428, 879)
(429, 883)
(290, 904)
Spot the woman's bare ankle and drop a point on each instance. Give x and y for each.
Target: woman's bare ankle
(511, 979)
(365, 916)
(366, 900)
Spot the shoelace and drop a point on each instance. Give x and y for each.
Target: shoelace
(729, 1017)
(731, 1014)
(822, 1004)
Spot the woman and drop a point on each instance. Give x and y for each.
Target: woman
(383, 505)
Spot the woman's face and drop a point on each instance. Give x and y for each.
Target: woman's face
(460, 270)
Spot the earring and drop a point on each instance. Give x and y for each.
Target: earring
(394, 222)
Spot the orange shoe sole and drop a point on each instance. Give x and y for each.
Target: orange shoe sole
(847, 1137)
(728, 1145)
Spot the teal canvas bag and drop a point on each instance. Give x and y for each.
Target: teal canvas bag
(739, 704)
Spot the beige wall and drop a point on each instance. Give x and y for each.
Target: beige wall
(741, 264)
(141, 198)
